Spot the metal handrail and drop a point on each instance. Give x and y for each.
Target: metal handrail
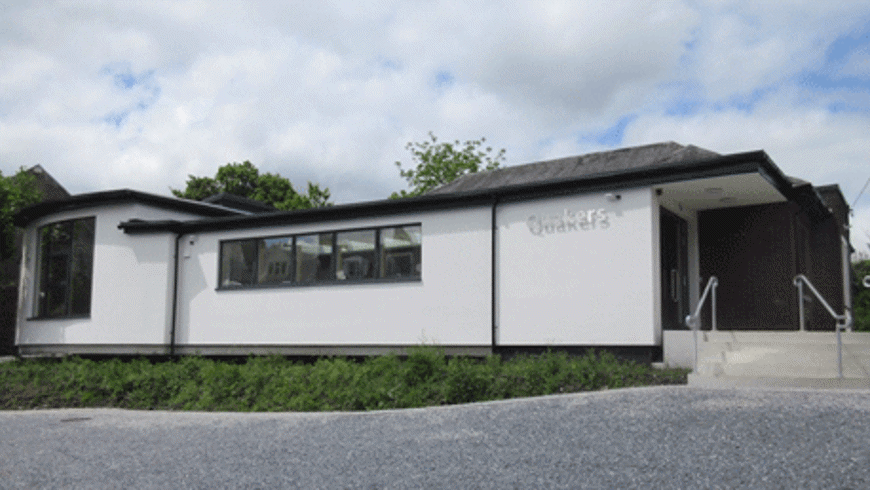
(692, 320)
(844, 321)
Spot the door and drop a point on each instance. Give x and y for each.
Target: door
(674, 246)
(751, 249)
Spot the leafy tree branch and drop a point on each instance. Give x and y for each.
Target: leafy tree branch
(436, 164)
(245, 180)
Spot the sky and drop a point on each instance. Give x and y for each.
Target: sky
(110, 94)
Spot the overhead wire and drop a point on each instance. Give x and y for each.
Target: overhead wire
(852, 207)
(860, 193)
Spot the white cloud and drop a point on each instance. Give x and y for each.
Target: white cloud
(808, 142)
(331, 92)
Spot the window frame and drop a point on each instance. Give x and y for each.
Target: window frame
(42, 260)
(334, 253)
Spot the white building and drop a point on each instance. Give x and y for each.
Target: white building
(607, 250)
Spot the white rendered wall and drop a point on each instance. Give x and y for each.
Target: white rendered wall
(451, 305)
(131, 284)
(574, 286)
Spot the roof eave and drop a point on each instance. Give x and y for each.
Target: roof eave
(82, 201)
(756, 161)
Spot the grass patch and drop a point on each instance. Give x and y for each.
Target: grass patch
(426, 377)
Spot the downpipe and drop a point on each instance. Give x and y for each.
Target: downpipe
(174, 313)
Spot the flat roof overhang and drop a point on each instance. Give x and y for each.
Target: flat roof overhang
(725, 191)
(753, 168)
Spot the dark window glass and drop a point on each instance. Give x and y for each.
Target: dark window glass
(276, 260)
(353, 255)
(239, 263)
(66, 258)
(401, 251)
(314, 258)
(356, 255)
(82, 267)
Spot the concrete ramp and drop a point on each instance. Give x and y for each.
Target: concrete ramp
(781, 359)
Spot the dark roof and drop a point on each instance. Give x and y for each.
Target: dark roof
(80, 201)
(671, 165)
(833, 198)
(233, 201)
(622, 160)
(50, 189)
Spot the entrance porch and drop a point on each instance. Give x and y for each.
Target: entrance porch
(755, 239)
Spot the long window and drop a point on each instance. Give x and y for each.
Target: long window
(360, 255)
(65, 260)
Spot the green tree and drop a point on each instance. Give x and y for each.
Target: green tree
(245, 180)
(437, 163)
(16, 192)
(861, 300)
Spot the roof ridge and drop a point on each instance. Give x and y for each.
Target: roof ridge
(564, 166)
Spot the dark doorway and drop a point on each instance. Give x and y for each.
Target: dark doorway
(674, 245)
(8, 307)
(752, 250)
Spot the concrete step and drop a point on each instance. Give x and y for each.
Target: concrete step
(744, 358)
(779, 338)
(724, 381)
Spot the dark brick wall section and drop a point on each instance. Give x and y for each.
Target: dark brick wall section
(8, 305)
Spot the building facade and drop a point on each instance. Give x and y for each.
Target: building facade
(609, 250)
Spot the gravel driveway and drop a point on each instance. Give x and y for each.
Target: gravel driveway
(664, 437)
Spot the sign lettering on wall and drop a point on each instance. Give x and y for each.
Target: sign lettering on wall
(582, 220)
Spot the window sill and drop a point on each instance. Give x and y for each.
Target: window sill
(56, 318)
(347, 282)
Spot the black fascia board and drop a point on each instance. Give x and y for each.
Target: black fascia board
(81, 201)
(739, 163)
(135, 226)
(385, 207)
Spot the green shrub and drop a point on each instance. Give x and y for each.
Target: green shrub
(861, 300)
(271, 383)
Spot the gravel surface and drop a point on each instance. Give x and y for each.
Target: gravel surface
(663, 437)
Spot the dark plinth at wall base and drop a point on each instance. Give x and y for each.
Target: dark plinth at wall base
(641, 354)
(47, 350)
(58, 350)
(324, 350)
(644, 354)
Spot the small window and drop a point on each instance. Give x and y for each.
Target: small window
(314, 258)
(66, 260)
(356, 255)
(239, 263)
(400, 252)
(275, 257)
